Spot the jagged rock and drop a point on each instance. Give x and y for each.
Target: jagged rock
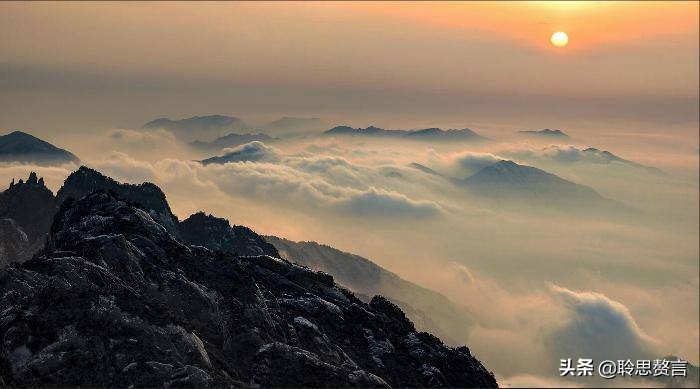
(428, 310)
(217, 234)
(30, 204)
(116, 299)
(85, 181)
(26, 211)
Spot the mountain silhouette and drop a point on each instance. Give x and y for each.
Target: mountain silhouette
(124, 302)
(21, 147)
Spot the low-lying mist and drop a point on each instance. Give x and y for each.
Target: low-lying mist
(540, 281)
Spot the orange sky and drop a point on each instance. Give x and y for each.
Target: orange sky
(444, 63)
(591, 24)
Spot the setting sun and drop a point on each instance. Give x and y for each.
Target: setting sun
(559, 39)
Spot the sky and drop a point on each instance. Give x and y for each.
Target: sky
(539, 284)
(628, 64)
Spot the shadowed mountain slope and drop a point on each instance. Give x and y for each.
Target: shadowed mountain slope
(124, 302)
(21, 147)
(429, 310)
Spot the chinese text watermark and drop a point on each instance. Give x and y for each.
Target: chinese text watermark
(609, 369)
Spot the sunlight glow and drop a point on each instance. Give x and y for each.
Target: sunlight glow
(559, 39)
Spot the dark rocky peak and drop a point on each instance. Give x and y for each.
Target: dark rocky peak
(85, 181)
(123, 303)
(30, 204)
(103, 213)
(32, 184)
(217, 234)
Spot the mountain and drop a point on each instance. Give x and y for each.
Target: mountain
(26, 212)
(369, 131)
(123, 302)
(429, 310)
(85, 181)
(570, 154)
(293, 125)
(594, 155)
(507, 180)
(230, 140)
(217, 234)
(444, 135)
(546, 133)
(21, 147)
(254, 151)
(433, 134)
(424, 169)
(203, 128)
(27, 208)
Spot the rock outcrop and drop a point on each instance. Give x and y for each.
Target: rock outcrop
(149, 196)
(216, 233)
(116, 299)
(26, 212)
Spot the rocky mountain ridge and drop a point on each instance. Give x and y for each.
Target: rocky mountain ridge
(116, 299)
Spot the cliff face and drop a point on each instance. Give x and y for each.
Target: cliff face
(115, 299)
(147, 195)
(26, 212)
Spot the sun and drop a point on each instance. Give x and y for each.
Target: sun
(559, 39)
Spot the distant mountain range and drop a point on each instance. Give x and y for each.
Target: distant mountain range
(293, 125)
(129, 296)
(211, 131)
(546, 133)
(594, 155)
(202, 128)
(433, 134)
(507, 181)
(569, 154)
(21, 147)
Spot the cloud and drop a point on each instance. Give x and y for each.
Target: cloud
(568, 154)
(284, 184)
(255, 151)
(53, 175)
(598, 328)
(141, 139)
(263, 173)
(380, 202)
(460, 164)
(122, 166)
(475, 161)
